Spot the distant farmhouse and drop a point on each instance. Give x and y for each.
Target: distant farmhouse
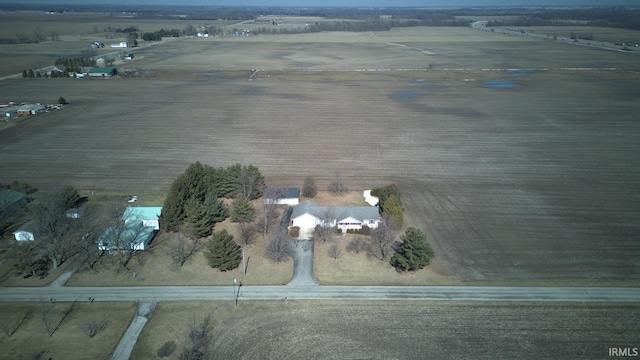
(281, 196)
(102, 71)
(10, 202)
(31, 109)
(309, 215)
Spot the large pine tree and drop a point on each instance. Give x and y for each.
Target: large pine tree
(242, 210)
(202, 216)
(414, 253)
(222, 251)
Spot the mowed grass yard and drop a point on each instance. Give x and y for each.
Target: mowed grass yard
(536, 180)
(395, 330)
(69, 341)
(156, 268)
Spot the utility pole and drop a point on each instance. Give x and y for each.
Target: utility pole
(234, 290)
(244, 266)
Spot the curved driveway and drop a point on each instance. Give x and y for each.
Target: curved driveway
(432, 293)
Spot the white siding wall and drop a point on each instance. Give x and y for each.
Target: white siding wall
(305, 221)
(23, 236)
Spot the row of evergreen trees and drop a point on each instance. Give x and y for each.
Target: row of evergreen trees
(390, 203)
(195, 197)
(73, 64)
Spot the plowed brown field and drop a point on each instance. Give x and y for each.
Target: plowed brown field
(532, 176)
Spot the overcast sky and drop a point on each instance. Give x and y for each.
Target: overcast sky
(345, 3)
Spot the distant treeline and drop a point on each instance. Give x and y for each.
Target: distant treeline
(358, 26)
(608, 17)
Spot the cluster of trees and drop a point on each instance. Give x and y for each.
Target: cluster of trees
(22, 187)
(195, 197)
(31, 73)
(390, 204)
(53, 316)
(413, 252)
(73, 64)
(194, 205)
(37, 35)
(158, 35)
(365, 25)
(60, 237)
(611, 17)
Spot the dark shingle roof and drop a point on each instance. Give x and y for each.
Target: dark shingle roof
(335, 212)
(8, 197)
(284, 193)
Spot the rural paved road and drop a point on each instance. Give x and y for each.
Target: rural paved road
(432, 293)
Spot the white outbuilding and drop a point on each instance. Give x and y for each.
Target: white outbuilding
(26, 231)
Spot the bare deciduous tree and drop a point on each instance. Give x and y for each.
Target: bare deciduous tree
(325, 231)
(334, 251)
(11, 324)
(90, 226)
(184, 247)
(309, 188)
(247, 233)
(41, 355)
(197, 342)
(122, 236)
(50, 320)
(280, 246)
(56, 234)
(382, 239)
(93, 326)
(337, 186)
(270, 209)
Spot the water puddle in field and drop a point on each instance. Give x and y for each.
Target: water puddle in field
(208, 74)
(500, 84)
(521, 72)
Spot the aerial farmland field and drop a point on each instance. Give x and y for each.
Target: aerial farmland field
(518, 157)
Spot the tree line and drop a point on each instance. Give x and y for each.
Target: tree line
(602, 17)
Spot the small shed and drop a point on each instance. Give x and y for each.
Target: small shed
(26, 231)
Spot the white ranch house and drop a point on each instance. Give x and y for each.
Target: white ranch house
(309, 214)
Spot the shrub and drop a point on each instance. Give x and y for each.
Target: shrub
(167, 349)
(358, 245)
(294, 232)
(365, 230)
